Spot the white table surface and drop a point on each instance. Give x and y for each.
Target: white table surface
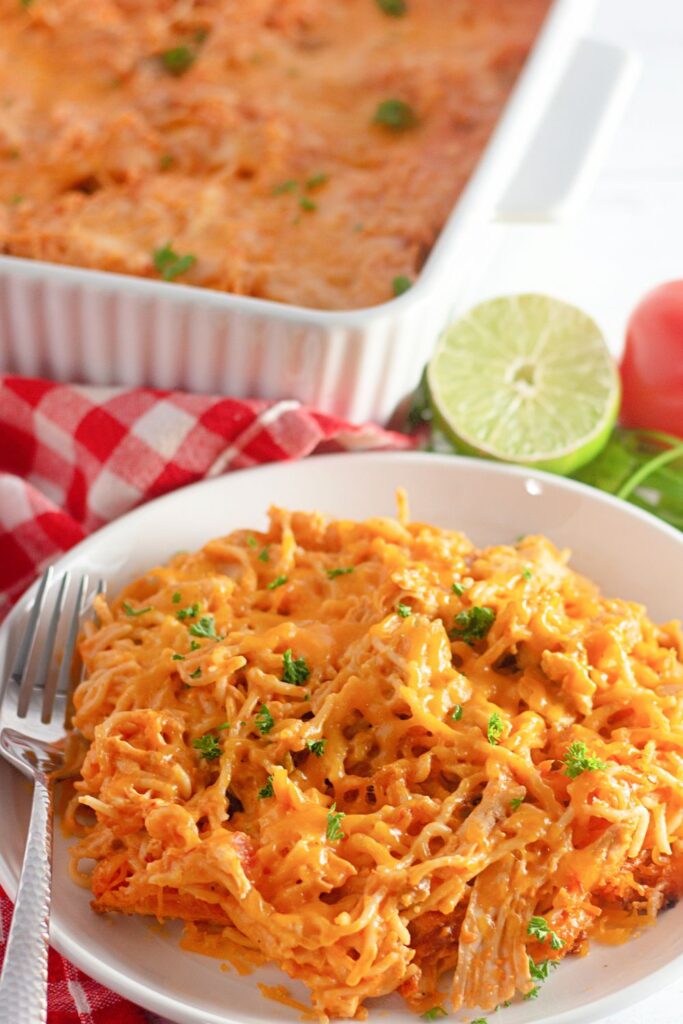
(627, 238)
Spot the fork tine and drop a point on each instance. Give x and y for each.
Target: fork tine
(60, 684)
(23, 654)
(46, 653)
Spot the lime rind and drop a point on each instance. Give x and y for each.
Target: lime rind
(526, 379)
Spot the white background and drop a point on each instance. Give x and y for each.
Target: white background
(629, 235)
(627, 238)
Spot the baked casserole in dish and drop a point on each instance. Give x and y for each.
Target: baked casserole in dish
(303, 151)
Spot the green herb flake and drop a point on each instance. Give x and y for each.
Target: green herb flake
(129, 610)
(178, 60)
(166, 161)
(479, 1020)
(401, 284)
(171, 264)
(264, 720)
(16, 199)
(196, 674)
(578, 760)
(458, 588)
(532, 993)
(456, 713)
(396, 115)
(264, 555)
(527, 574)
(206, 627)
(334, 819)
(267, 790)
(178, 657)
(208, 746)
(187, 613)
(252, 542)
(516, 803)
(494, 729)
(472, 624)
(404, 610)
(333, 573)
(194, 646)
(395, 9)
(177, 597)
(277, 582)
(284, 186)
(539, 971)
(316, 180)
(538, 928)
(294, 670)
(307, 204)
(316, 747)
(434, 1013)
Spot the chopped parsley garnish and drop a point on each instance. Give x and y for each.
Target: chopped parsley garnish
(284, 186)
(396, 9)
(196, 674)
(307, 204)
(532, 993)
(527, 574)
(178, 60)
(401, 284)
(206, 627)
(25, 4)
(178, 657)
(316, 180)
(251, 541)
(316, 747)
(264, 720)
(516, 803)
(307, 696)
(538, 928)
(539, 971)
(294, 670)
(434, 1013)
(187, 613)
(194, 646)
(129, 610)
(494, 730)
(166, 161)
(458, 588)
(208, 746)
(456, 713)
(479, 1020)
(404, 610)
(264, 556)
(334, 820)
(277, 582)
(578, 760)
(177, 597)
(267, 790)
(396, 115)
(171, 264)
(333, 573)
(472, 624)
(16, 199)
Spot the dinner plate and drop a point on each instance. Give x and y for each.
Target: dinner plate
(628, 552)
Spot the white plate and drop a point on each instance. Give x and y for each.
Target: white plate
(630, 554)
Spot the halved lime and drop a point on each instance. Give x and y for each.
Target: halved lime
(527, 379)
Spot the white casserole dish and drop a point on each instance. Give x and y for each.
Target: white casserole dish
(100, 328)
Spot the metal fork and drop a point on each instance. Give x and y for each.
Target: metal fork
(32, 709)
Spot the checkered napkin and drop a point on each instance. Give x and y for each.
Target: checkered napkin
(73, 458)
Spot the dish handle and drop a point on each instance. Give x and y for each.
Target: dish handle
(562, 161)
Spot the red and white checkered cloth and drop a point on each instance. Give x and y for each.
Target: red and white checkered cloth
(73, 458)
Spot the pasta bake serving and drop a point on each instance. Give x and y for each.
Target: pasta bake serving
(297, 150)
(381, 758)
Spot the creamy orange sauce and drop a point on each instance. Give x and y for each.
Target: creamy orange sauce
(345, 748)
(262, 159)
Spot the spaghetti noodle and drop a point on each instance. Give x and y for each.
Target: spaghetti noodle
(372, 753)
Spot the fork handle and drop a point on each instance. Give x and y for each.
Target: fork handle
(23, 983)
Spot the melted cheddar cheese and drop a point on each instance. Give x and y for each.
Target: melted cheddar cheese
(242, 133)
(371, 753)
